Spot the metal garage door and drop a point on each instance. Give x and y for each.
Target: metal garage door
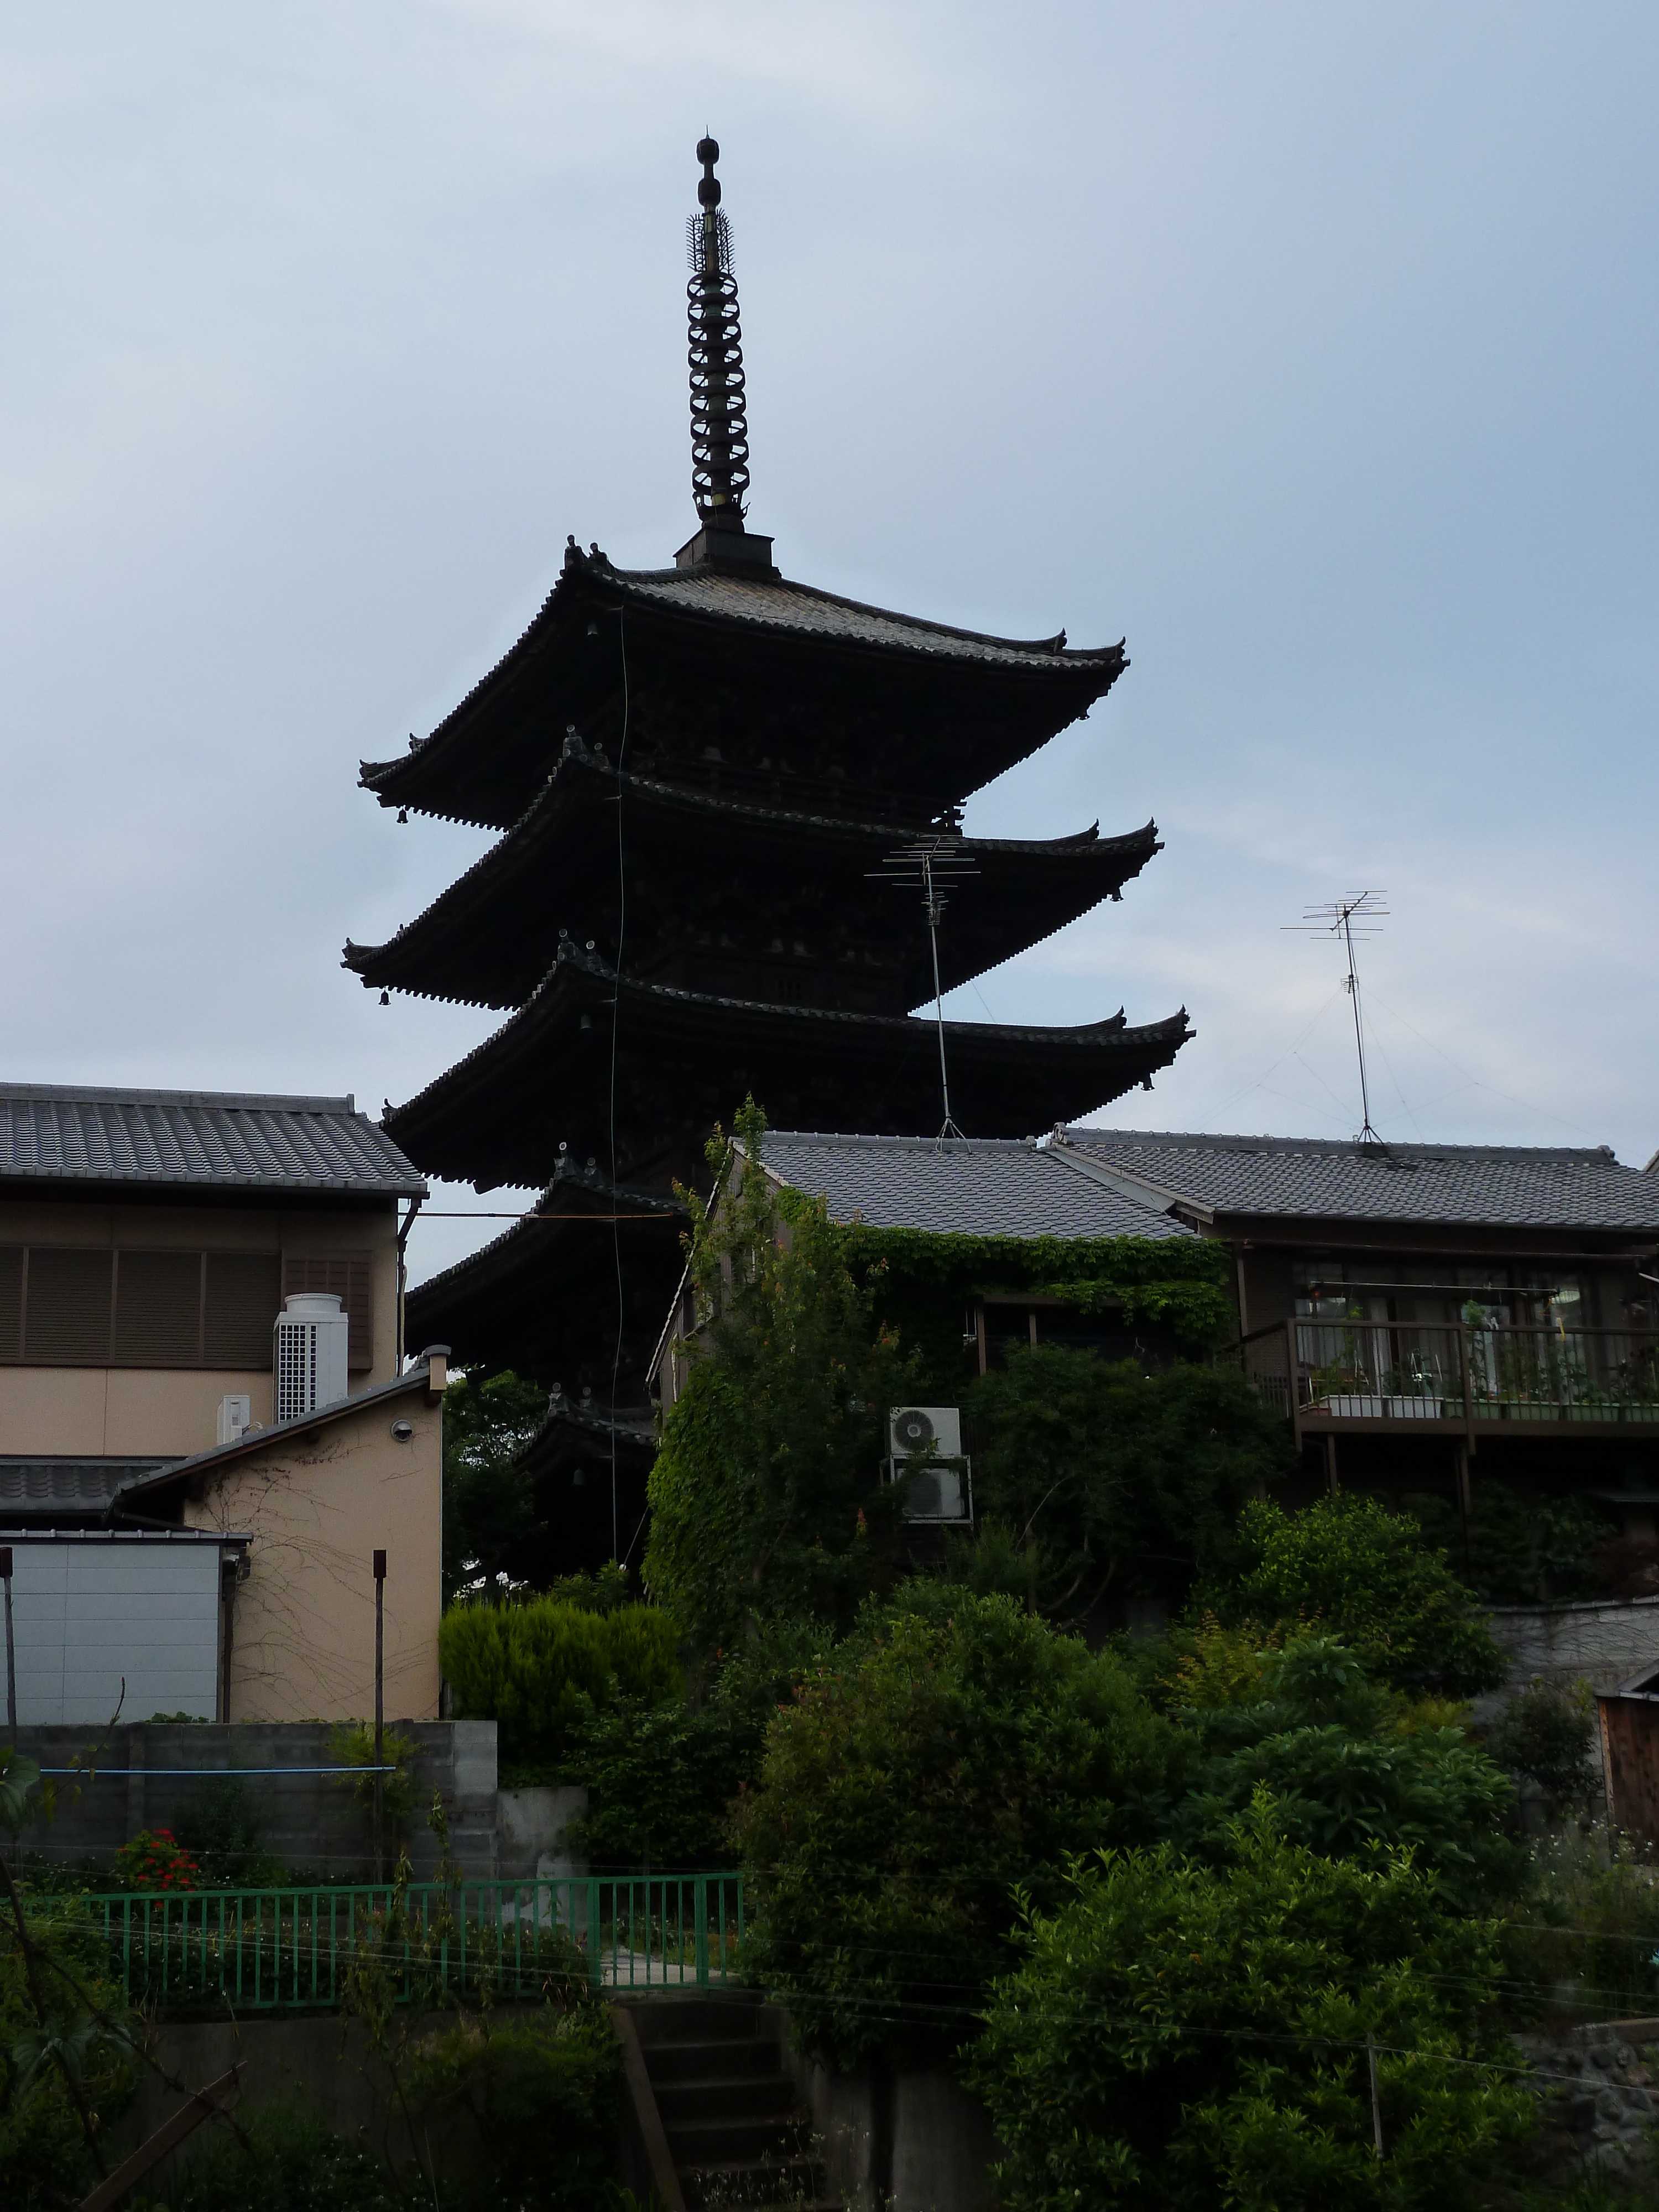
(92, 1610)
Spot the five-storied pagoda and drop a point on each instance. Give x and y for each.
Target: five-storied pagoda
(702, 775)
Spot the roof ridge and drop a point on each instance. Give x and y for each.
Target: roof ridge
(1203, 1140)
(105, 1094)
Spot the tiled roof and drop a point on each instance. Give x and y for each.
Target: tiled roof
(971, 1186)
(779, 605)
(35, 1485)
(1496, 1186)
(195, 1140)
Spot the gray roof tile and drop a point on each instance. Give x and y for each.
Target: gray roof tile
(195, 1139)
(777, 604)
(1495, 1186)
(32, 1485)
(979, 1186)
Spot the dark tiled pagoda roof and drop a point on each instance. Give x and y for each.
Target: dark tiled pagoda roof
(699, 859)
(541, 1298)
(53, 1135)
(684, 1058)
(909, 705)
(1584, 1190)
(975, 1186)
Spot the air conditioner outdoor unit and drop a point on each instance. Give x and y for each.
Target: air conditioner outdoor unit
(924, 1444)
(310, 1365)
(235, 1417)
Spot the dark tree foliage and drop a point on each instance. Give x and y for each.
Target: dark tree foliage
(765, 1497)
(1097, 1477)
(1367, 1576)
(494, 1529)
(662, 1780)
(1351, 1766)
(952, 1749)
(1184, 2035)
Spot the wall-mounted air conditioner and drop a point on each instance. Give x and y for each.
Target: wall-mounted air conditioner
(924, 1451)
(310, 1364)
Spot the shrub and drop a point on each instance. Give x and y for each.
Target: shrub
(1364, 1574)
(1181, 2035)
(44, 2160)
(543, 1669)
(953, 1747)
(222, 1831)
(154, 1859)
(541, 2099)
(1591, 1924)
(1351, 1766)
(1106, 1477)
(1544, 1735)
(297, 2165)
(662, 1779)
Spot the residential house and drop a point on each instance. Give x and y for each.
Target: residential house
(1418, 1310)
(166, 1531)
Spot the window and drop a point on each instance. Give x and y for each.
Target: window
(244, 1298)
(347, 1274)
(11, 1300)
(158, 1309)
(75, 1307)
(67, 1302)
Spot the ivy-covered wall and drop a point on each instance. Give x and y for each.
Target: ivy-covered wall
(926, 1282)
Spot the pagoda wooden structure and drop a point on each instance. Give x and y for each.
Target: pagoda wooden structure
(702, 776)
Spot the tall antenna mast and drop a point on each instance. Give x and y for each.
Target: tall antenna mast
(931, 862)
(1361, 916)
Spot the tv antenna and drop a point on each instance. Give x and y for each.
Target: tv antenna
(931, 865)
(1361, 915)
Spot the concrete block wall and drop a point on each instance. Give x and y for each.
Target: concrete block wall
(149, 1776)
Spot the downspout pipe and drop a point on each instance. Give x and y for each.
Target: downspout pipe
(415, 1206)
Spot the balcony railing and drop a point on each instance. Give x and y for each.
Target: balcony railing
(1455, 1375)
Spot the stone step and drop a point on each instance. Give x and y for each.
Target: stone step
(699, 2018)
(744, 2139)
(725, 2061)
(757, 2098)
(795, 2182)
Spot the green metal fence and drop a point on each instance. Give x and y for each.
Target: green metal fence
(258, 1950)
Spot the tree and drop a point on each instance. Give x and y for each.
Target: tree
(1367, 1576)
(952, 1748)
(1099, 1474)
(1185, 2035)
(492, 1522)
(765, 1498)
(1351, 1767)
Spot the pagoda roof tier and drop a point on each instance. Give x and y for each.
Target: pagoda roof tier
(591, 1058)
(541, 1298)
(755, 673)
(762, 903)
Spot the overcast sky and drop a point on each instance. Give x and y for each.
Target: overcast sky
(1311, 347)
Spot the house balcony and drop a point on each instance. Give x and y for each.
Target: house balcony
(1383, 1378)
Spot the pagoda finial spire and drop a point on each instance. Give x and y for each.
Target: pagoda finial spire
(720, 429)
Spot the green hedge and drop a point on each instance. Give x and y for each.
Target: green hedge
(543, 1669)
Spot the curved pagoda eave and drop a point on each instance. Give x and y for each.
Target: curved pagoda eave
(535, 1294)
(490, 939)
(944, 710)
(683, 1060)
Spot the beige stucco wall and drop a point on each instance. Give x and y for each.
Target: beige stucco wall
(173, 1411)
(318, 1506)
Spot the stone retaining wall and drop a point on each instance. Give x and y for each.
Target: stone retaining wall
(318, 1824)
